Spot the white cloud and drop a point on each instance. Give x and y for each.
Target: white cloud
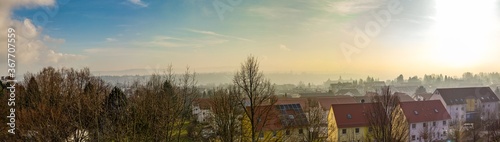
(216, 34)
(32, 47)
(111, 39)
(49, 39)
(283, 47)
(138, 3)
(347, 7)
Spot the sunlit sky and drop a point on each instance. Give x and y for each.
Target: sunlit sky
(417, 37)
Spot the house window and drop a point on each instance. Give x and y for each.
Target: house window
(413, 126)
(261, 135)
(344, 131)
(444, 122)
(274, 133)
(370, 129)
(301, 131)
(462, 108)
(456, 108)
(424, 124)
(434, 123)
(412, 137)
(444, 133)
(287, 132)
(357, 130)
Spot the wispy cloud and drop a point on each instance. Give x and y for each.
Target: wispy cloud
(347, 7)
(274, 12)
(216, 34)
(138, 3)
(111, 39)
(283, 47)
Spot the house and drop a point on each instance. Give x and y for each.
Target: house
(427, 120)
(325, 104)
(283, 122)
(347, 122)
(469, 103)
(201, 109)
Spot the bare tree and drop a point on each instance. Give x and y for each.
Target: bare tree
(256, 91)
(315, 116)
(428, 133)
(226, 114)
(386, 119)
(457, 131)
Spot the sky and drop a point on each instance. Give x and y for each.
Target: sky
(361, 37)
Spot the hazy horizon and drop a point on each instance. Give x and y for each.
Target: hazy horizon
(353, 38)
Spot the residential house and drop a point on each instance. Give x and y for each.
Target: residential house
(467, 104)
(201, 110)
(348, 123)
(427, 120)
(283, 122)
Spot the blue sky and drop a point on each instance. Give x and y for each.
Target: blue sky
(286, 35)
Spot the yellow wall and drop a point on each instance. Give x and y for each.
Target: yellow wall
(351, 134)
(332, 126)
(471, 105)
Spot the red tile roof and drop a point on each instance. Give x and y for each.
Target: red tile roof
(302, 101)
(326, 102)
(424, 111)
(203, 103)
(351, 115)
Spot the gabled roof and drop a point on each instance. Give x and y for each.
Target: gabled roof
(326, 102)
(351, 115)
(424, 111)
(279, 117)
(403, 97)
(453, 96)
(203, 103)
(292, 115)
(301, 101)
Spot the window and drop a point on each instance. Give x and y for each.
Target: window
(444, 133)
(412, 137)
(370, 129)
(287, 132)
(434, 123)
(274, 133)
(424, 124)
(462, 108)
(413, 126)
(261, 135)
(456, 108)
(344, 131)
(301, 131)
(444, 122)
(357, 130)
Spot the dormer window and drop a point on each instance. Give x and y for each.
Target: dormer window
(416, 112)
(349, 116)
(435, 110)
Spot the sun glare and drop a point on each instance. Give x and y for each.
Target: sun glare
(463, 31)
